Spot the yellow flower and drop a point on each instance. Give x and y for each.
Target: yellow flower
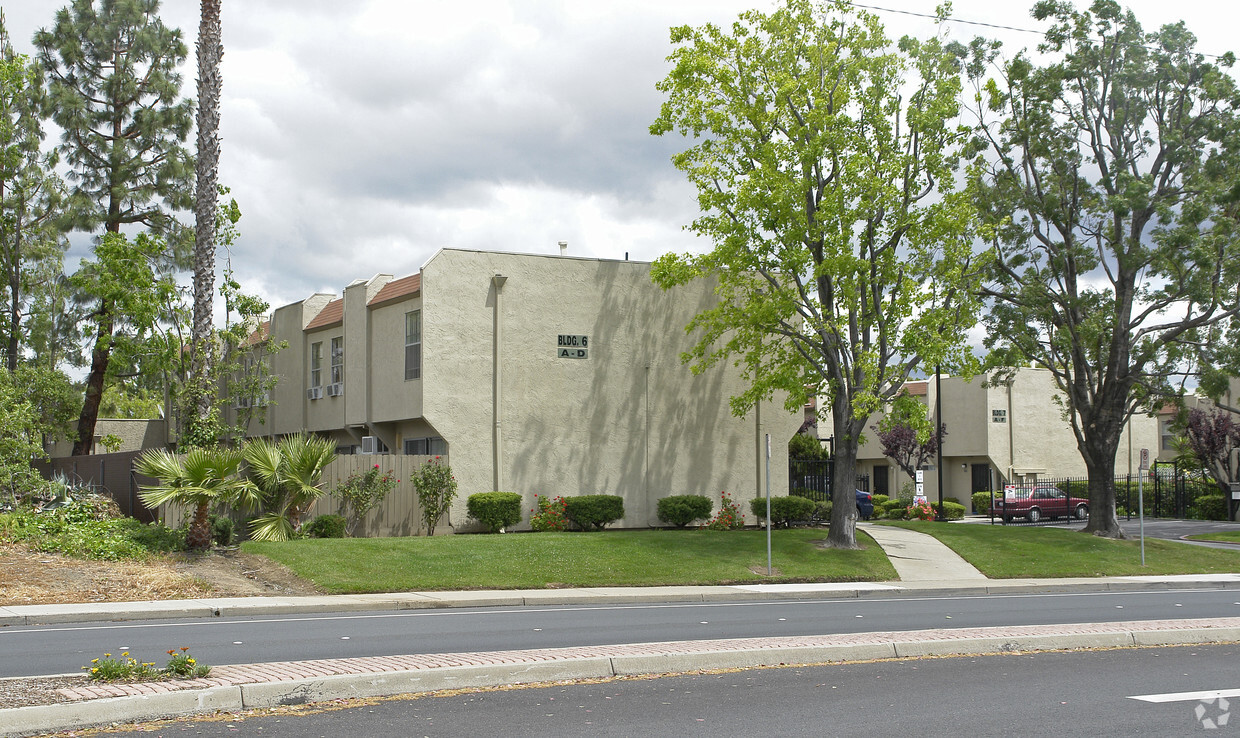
(94, 661)
(107, 655)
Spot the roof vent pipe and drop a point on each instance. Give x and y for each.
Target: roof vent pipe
(563, 248)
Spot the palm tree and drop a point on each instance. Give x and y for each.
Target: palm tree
(201, 478)
(210, 50)
(286, 477)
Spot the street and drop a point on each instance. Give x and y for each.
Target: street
(34, 650)
(1046, 694)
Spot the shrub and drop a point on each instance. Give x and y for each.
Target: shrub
(1209, 507)
(729, 516)
(548, 514)
(919, 511)
(327, 526)
(495, 510)
(890, 506)
(802, 492)
(154, 537)
(680, 510)
(879, 499)
(981, 502)
(784, 510)
(594, 512)
(951, 510)
(822, 510)
(222, 530)
(436, 490)
(361, 493)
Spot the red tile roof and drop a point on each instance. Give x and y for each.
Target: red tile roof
(398, 288)
(332, 314)
(260, 334)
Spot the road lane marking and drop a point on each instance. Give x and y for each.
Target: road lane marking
(1209, 694)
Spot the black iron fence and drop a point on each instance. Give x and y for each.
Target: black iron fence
(1164, 492)
(812, 478)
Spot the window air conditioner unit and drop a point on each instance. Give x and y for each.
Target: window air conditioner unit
(243, 403)
(369, 444)
(335, 390)
(315, 393)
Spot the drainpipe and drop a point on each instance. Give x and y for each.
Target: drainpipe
(497, 437)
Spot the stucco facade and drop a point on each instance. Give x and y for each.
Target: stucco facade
(615, 413)
(1001, 434)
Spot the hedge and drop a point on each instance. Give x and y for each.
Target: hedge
(951, 510)
(326, 526)
(784, 510)
(981, 502)
(680, 510)
(495, 510)
(593, 512)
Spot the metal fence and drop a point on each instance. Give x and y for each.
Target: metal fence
(812, 478)
(1165, 492)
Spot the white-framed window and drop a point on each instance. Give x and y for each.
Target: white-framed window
(433, 446)
(413, 344)
(338, 360)
(316, 364)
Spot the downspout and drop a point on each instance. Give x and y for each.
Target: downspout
(497, 437)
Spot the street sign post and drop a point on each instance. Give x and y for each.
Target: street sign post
(1145, 464)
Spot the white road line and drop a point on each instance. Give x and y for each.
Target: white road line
(1209, 694)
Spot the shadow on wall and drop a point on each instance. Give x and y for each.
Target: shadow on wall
(653, 428)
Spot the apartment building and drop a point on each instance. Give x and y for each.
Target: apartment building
(549, 375)
(1013, 433)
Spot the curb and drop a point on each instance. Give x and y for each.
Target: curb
(445, 671)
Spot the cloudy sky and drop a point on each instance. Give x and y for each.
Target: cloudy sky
(361, 136)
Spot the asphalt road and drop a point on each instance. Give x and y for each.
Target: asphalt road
(36, 650)
(1046, 694)
(1164, 528)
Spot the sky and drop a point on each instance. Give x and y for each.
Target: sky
(361, 137)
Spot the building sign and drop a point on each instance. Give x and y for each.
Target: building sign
(572, 347)
(998, 416)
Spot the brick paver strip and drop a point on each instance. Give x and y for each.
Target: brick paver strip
(298, 670)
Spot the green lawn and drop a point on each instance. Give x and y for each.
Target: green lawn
(1007, 552)
(1225, 536)
(535, 560)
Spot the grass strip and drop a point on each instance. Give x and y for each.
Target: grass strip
(1011, 552)
(1222, 536)
(608, 558)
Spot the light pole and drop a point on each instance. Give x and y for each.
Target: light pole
(938, 424)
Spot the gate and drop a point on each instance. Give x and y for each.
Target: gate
(1170, 491)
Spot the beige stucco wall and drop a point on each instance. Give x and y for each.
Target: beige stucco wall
(629, 420)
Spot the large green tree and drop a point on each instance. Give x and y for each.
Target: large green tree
(1116, 251)
(825, 160)
(31, 245)
(115, 91)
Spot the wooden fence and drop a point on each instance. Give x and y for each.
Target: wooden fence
(398, 515)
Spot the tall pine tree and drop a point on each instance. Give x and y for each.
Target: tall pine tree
(115, 91)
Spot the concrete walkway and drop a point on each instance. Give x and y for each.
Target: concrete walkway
(918, 557)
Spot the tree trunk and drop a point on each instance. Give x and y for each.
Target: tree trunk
(199, 536)
(843, 530)
(210, 51)
(100, 356)
(1099, 454)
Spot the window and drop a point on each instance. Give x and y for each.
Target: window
(1168, 436)
(337, 360)
(316, 364)
(413, 345)
(425, 447)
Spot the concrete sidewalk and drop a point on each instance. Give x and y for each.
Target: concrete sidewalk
(918, 557)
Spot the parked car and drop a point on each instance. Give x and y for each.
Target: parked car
(1037, 503)
(865, 505)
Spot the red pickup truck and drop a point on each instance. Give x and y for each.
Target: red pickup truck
(1039, 502)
